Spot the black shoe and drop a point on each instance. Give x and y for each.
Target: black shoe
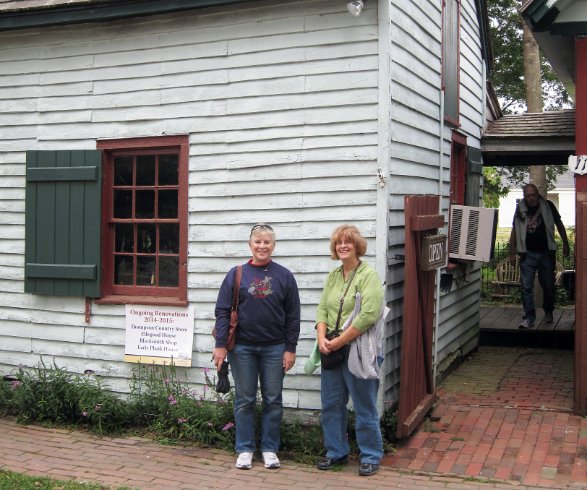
(368, 469)
(328, 463)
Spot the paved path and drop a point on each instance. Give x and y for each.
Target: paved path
(139, 463)
(502, 420)
(505, 413)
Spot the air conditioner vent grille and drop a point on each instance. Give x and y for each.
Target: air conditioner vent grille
(455, 230)
(472, 233)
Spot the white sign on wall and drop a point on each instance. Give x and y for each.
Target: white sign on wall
(159, 335)
(578, 164)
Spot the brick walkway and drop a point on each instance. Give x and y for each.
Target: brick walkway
(139, 463)
(505, 414)
(502, 421)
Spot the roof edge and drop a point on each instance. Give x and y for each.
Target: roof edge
(96, 12)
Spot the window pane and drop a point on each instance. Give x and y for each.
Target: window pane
(168, 168)
(123, 171)
(145, 271)
(169, 238)
(146, 170)
(146, 238)
(123, 269)
(169, 271)
(122, 204)
(124, 239)
(145, 206)
(167, 204)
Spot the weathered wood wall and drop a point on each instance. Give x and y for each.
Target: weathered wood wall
(281, 101)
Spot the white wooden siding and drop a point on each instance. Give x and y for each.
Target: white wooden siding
(280, 104)
(283, 107)
(458, 329)
(415, 128)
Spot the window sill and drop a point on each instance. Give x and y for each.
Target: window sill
(115, 299)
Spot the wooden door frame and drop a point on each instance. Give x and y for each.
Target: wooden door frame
(580, 405)
(416, 384)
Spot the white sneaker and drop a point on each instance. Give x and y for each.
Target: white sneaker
(244, 461)
(271, 460)
(526, 324)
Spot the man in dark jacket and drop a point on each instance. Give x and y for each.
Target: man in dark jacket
(533, 237)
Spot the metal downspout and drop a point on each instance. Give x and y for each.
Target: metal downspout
(440, 175)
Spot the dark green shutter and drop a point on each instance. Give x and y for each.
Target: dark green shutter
(63, 219)
(474, 174)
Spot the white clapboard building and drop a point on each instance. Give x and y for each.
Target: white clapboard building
(141, 140)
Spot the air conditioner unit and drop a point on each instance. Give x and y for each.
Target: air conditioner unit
(472, 233)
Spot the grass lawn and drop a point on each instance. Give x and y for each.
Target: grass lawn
(11, 481)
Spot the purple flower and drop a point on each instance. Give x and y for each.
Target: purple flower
(171, 400)
(181, 420)
(98, 407)
(228, 426)
(166, 381)
(206, 370)
(84, 414)
(15, 384)
(210, 424)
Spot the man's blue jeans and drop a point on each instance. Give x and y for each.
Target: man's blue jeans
(336, 385)
(251, 364)
(531, 263)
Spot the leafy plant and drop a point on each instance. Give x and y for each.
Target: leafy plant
(159, 403)
(57, 396)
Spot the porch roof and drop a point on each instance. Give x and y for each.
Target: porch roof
(545, 138)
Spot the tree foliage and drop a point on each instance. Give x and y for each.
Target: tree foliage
(508, 75)
(497, 181)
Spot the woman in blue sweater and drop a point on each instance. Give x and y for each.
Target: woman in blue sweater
(266, 340)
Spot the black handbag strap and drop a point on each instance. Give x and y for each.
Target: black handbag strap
(336, 328)
(237, 284)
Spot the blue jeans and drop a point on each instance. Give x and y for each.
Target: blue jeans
(543, 263)
(336, 385)
(250, 364)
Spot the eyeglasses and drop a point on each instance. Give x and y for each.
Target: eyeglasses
(261, 226)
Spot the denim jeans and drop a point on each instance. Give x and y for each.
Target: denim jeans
(336, 385)
(251, 364)
(543, 263)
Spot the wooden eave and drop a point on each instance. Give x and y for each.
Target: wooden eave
(22, 15)
(546, 138)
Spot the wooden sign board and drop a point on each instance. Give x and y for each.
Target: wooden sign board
(433, 252)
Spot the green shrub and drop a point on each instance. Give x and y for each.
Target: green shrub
(160, 403)
(170, 408)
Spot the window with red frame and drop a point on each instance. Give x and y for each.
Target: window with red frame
(458, 169)
(145, 220)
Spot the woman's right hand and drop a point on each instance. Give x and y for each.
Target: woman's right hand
(322, 346)
(218, 357)
(321, 336)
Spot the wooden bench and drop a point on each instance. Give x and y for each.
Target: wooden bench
(507, 275)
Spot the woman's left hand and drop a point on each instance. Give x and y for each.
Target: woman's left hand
(289, 359)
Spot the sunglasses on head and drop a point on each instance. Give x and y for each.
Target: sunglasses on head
(261, 226)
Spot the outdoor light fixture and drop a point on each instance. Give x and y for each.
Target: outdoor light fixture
(355, 7)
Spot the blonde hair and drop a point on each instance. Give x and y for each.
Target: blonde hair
(262, 228)
(350, 233)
